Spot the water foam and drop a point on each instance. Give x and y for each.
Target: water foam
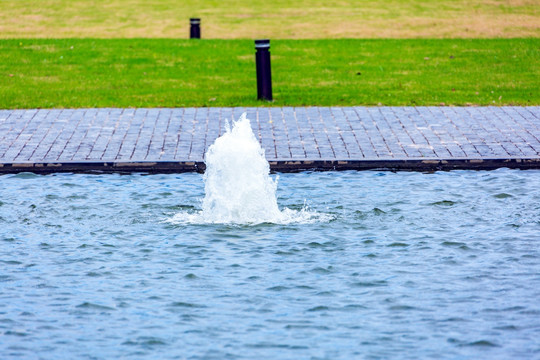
(238, 187)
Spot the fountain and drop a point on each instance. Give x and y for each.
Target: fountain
(238, 187)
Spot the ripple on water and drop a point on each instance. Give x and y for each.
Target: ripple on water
(322, 271)
(374, 283)
(444, 203)
(398, 244)
(502, 196)
(407, 264)
(479, 343)
(182, 304)
(94, 306)
(453, 243)
(145, 341)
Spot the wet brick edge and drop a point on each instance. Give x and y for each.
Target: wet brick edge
(157, 167)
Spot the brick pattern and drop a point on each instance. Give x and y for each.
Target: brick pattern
(303, 133)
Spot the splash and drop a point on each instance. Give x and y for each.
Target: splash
(238, 187)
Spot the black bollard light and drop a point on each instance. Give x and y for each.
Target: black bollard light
(195, 29)
(264, 75)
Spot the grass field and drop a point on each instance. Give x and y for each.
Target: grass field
(97, 53)
(172, 73)
(277, 19)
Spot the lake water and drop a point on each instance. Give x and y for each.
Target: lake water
(396, 265)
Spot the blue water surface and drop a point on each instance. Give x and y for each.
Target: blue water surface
(443, 265)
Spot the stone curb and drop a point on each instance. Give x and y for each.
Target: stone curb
(156, 167)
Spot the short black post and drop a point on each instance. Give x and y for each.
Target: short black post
(195, 29)
(264, 75)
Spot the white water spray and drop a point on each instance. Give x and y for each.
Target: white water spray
(238, 187)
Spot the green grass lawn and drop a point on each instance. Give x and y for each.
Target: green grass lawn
(87, 53)
(46, 73)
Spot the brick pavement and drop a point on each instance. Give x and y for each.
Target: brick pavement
(322, 138)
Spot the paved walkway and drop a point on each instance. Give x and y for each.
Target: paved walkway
(170, 140)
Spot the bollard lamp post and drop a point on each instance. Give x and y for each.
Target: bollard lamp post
(195, 28)
(264, 76)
